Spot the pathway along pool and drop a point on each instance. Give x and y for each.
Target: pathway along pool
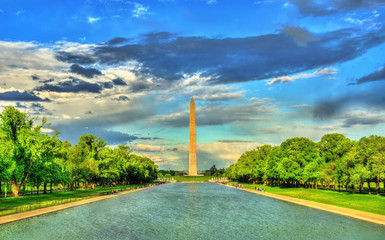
(191, 211)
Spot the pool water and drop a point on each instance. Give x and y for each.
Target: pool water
(191, 211)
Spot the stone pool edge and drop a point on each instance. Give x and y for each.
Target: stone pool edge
(364, 216)
(33, 213)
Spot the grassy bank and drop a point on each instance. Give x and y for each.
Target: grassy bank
(192, 178)
(362, 202)
(12, 205)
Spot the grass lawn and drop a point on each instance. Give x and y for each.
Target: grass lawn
(11, 205)
(363, 202)
(192, 178)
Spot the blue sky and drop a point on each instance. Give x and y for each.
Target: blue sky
(260, 71)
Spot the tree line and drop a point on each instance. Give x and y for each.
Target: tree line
(28, 156)
(333, 162)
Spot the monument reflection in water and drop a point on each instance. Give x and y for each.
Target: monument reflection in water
(191, 211)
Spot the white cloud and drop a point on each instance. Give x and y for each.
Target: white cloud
(92, 20)
(139, 10)
(319, 73)
(148, 148)
(46, 130)
(65, 116)
(210, 2)
(18, 13)
(300, 106)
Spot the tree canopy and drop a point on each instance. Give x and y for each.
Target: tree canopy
(334, 161)
(29, 156)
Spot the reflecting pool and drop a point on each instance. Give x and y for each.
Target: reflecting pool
(191, 211)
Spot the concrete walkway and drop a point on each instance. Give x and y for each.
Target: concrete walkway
(41, 211)
(365, 216)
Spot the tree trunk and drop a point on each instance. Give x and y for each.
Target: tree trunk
(45, 188)
(360, 187)
(37, 189)
(15, 189)
(316, 185)
(0, 188)
(369, 189)
(6, 189)
(50, 190)
(24, 190)
(378, 186)
(352, 188)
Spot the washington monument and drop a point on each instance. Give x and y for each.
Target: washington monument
(192, 161)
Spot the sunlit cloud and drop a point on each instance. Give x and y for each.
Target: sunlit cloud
(319, 73)
(93, 20)
(139, 10)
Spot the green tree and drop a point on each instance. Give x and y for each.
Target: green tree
(18, 128)
(7, 164)
(372, 154)
(89, 147)
(271, 173)
(332, 148)
(296, 154)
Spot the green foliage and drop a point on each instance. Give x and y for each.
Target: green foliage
(19, 134)
(29, 156)
(335, 160)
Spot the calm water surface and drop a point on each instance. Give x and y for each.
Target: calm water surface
(191, 211)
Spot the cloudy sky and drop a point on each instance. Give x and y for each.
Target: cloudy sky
(260, 71)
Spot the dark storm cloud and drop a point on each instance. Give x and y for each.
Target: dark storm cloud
(47, 81)
(39, 109)
(86, 72)
(19, 105)
(231, 60)
(378, 75)
(139, 86)
(122, 99)
(326, 109)
(98, 121)
(108, 85)
(72, 131)
(35, 77)
(116, 41)
(373, 98)
(328, 7)
(75, 58)
(217, 115)
(34, 108)
(72, 134)
(74, 85)
(352, 120)
(21, 96)
(119, 82)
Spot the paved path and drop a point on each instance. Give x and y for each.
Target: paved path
(365, 216)
(41, 211)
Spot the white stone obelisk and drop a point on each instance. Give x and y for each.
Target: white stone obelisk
(192, 162)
